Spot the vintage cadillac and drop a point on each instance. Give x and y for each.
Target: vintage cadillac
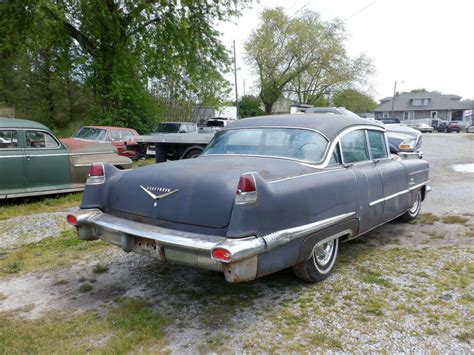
(267, 193)
(34, 162)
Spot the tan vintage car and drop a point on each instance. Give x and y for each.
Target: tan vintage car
(34, 162)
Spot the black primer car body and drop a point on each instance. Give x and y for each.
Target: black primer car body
(268, 193)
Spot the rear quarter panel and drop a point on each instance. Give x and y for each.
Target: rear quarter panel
(294, 202)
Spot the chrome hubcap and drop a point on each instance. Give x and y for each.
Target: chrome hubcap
(415, 206)
(322, 253)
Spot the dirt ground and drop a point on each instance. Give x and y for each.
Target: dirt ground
(401, 287)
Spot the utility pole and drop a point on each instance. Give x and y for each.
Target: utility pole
(244, 87)
(235, 80)
(393, 97)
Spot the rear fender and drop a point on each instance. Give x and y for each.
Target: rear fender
(96, 196)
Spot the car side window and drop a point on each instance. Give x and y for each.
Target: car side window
(335, 159)
(39, 139)
(115, 135)
(378, 148)
(354, 147)
(191, 128)
(8, 139)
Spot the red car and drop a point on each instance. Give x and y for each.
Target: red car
(118, 136)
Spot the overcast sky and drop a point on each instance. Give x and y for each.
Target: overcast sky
(424, 43)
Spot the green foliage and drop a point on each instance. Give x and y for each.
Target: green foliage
(302, 56)
(110, 62)
(249, 106)
(354, 101)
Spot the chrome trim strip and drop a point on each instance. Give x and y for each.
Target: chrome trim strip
(11, 156)
(419, 185)
(419, 171)
(44, 192)
(284, 236)
(44, 155)
(388, 197)
(398, 193)
(304, 175)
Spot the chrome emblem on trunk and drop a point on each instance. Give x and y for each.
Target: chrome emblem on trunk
(166, 192)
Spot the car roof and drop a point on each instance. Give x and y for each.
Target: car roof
(20, 123)
(328, 124)
(108, 127)
(177, 122)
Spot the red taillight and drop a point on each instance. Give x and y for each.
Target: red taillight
(96, 169)
(221, 254)
(246, 190)
(246, 184)
(71, 219)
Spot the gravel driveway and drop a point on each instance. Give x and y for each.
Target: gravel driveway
(402, 287)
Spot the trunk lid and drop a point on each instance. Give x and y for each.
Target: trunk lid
(195, 191)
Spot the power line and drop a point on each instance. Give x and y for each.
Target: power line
(359, 11)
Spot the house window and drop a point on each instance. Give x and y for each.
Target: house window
(420, 102)
(385, 115)
(409, 115)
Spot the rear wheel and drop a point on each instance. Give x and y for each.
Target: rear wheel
(320, 264)
(414, 210)
(193, 153)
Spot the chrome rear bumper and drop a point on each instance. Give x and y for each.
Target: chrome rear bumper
(171, 245)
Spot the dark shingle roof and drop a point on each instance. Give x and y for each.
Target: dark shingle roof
(437, 102)
(328, 124)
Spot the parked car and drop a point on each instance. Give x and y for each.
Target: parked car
(423, 128)
(403, 141)
(34, 162)
(331, 110)
(267, 193)
(470, 129)
(390, 120)
(449, 127)
(120, 137)
(215, 124)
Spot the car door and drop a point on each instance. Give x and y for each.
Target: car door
(12, 163)
(394, 178)
(356, 157)
(47, 162)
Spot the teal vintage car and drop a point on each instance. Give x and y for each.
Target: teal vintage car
(34, 162)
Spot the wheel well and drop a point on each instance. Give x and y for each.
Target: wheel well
(423, 192)
(194, 147)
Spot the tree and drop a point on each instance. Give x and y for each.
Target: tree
(354, 100)
(120, 49)
(303, 56)
(249, 106)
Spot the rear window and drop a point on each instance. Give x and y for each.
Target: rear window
(167, 128)
(91, 133)
(291, 143)
(215, 124)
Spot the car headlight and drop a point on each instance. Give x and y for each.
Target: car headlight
(407, 144)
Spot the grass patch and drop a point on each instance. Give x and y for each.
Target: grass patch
(145, 162)
(373, 277)
(132, 326)
(452, 219)
(27, 206)
(85, 287)
(48, 253)
(425, 218)
(100, 269)
(470, 137)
